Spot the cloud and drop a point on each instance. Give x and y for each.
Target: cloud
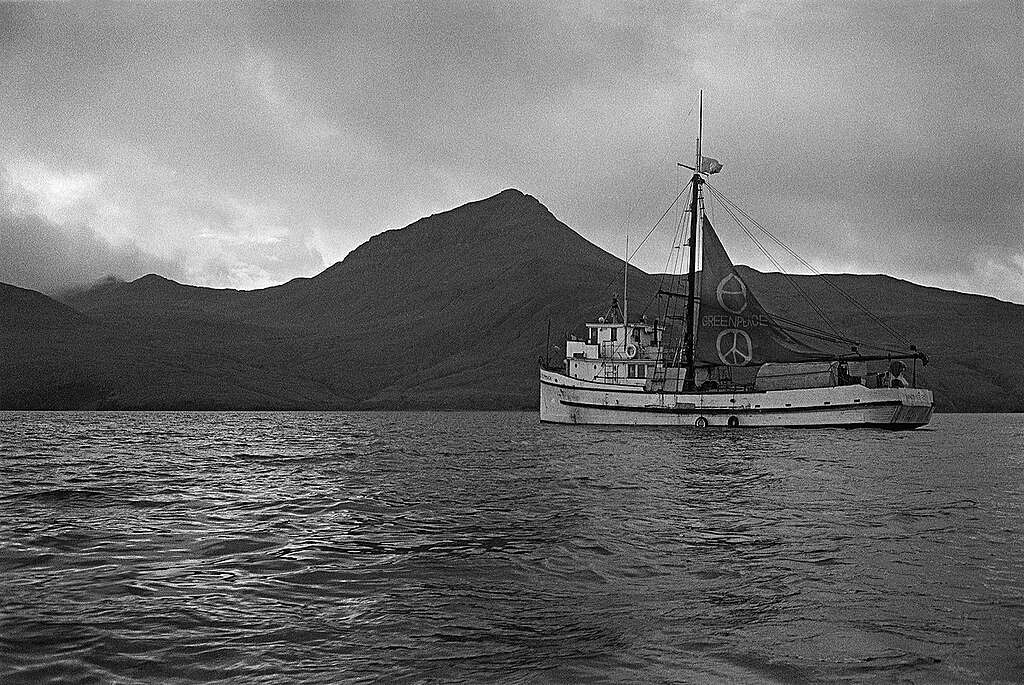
(66, 229)
(47, 242)
(41, 255)
(250, 143)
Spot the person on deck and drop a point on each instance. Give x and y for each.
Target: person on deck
(894, 378)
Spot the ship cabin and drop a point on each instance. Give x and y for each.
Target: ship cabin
(616, 352)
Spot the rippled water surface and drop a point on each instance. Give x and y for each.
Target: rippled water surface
(487, 547)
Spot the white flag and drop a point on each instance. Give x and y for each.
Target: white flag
(709, 166)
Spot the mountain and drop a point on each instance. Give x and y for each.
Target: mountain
(57, 358)
(39, 358)
(442, 313)
(27, 310)
(973, 342)
(451, 311)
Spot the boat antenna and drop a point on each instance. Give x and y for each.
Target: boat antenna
(625, 281)
(689, 338)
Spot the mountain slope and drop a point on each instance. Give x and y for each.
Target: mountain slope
(441, 313)
(52, 357)
(23, 309)
(974, 343)
(450, 311)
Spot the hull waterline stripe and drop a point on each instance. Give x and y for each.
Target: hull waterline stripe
(885, 426)
(739, 411)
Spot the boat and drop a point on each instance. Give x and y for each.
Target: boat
(725, 360)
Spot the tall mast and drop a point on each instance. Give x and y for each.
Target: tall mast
(689, 338)
(700, 126)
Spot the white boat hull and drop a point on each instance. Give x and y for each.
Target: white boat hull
(569, 400)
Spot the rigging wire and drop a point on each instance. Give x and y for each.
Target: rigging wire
(790, 279)
(649, 233)
(672, 265)
(663, 215)
(738, 214)
(899, 336)
(656, 223)
(801, 328)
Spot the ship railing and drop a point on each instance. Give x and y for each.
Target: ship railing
(617, 350)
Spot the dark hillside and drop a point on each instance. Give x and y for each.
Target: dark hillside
(154, 295)
(451, 311)
(445, 312)
(52, 357)
(23, 309)
(974, 343)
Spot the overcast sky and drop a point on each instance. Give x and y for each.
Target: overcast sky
(241, 145)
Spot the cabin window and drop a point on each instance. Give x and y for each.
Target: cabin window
(593, 336)
(636, 371)
(615, 334)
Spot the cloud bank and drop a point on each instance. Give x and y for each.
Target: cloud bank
(240, 145)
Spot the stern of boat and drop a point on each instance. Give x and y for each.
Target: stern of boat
(915, 408)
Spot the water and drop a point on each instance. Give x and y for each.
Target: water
(280, 547)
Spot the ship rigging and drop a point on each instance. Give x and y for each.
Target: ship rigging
(725, 358)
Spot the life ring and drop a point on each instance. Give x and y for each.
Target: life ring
(701, 422)
(734, 421)
(631, 351)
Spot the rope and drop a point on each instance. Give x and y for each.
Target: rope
(790, 279)
(656, 224)
(899, 336)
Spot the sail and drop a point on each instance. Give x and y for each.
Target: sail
(733, 328)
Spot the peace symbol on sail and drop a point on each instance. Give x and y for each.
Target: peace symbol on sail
(734, 347)
(734, 329)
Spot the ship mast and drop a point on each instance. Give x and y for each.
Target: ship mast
(689, 338)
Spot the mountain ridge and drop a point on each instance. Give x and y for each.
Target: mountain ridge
(450, 311)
